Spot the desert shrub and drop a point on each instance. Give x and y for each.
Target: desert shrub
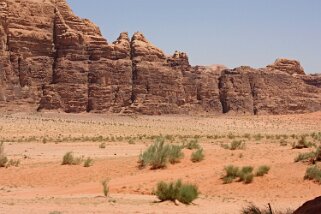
(234, 145)
(246, 174)
(283, 142)
(318, 154)
(192, 144)
(316, 136)
(88, 162)
(247, 136)
(102, 145)
(231, 136)
(185, 193)
(231, 173)
(252, 209)
(237, 144)
(12, 162)
(175, 154)
(159, 154)
(302, 143)
(305, 156)
(309, 156)
(258, 137)
(262, 170)
(105, 188)
(70, 159)
(55, 212)
(197, 156)
(313, 173)
(3, 157)
(131, 141)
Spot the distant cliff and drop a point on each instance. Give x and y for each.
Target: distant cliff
(51, 59)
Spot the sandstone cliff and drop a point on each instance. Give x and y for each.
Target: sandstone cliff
(51, 59)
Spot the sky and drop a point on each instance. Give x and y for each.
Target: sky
(229, 32)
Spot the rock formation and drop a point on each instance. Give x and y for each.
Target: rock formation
(310, 207)
(51, 59)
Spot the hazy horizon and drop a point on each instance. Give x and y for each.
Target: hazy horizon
(229, 32)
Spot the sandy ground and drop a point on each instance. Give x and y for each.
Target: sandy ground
(42, 185)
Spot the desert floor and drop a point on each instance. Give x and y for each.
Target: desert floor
(40, 184)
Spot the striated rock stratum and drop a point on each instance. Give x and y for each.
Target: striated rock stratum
(51, 59)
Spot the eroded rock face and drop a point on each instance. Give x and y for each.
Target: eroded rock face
(51, 59)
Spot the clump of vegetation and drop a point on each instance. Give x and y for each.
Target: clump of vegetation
(234, 145)
(245, 174)
(283, 142)
(192, 144)
(313, 173)
(184, 193)
(312, 157)
(14, 163)
(302, 144)
(197, 156)
(70, 159)
(159, 154)
(262, 170)
(305, 157)
(3, 157)
(231, 174)
(105, 187)
(258, 137)
(252, 209)
(316, 136)
(4, 161)
(102, 145)
(88, 162)
(175, 154)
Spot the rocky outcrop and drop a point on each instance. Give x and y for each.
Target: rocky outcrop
(51, 59)
(289, 66)
(310, 207)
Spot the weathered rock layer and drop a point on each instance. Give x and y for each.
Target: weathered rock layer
(51, 59)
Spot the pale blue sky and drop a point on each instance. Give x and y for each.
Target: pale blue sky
(229, 32)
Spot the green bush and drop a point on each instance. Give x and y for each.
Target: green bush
(197, 156)
(234, 145)
(69, 159)
(305, 156)
(246, 174)
(88, 162)
(237, 144)
(175, 154)
(102, 145)
(159, 154)
(262, 170)
(3, 157)
(192, 144)
(14, 163)
(185, 193)
(302, 144)
(105, 187)
(231, 172)
(309, 156)
(313, 173)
